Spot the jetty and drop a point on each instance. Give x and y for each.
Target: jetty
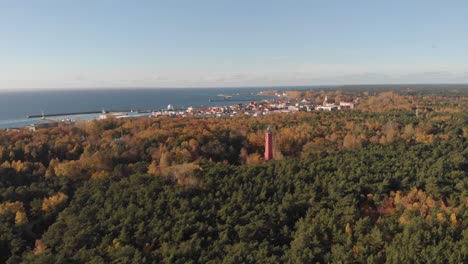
(87, 112)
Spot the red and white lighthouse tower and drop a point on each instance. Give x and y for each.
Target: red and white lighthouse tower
(268, 145)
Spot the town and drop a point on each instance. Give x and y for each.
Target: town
(280, 105)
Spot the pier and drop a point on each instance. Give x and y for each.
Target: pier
(87, 112)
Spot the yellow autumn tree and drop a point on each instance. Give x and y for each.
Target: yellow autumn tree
(17, 208)
(39, 247)
(350, 141)
(20, 218)
(154, 168)
(71, 169)
(254, 158)
(100, 175)
(256, 139)
(424, 205)
(50, 203)
(348, 229)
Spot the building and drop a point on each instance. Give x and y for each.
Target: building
(42, 124)
(327, 108)
(346, 105)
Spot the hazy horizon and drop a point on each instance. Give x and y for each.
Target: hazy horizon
(324, 86)
(89, 44)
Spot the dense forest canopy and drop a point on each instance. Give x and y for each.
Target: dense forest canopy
(385, 182)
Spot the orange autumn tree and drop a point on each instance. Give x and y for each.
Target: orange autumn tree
(417, 202)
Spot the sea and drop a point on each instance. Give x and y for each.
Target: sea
(16, 106)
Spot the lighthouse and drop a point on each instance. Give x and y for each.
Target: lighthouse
(268, 145)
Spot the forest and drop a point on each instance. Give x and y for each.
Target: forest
(385, 182)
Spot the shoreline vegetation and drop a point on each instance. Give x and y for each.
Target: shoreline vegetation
(385, 181)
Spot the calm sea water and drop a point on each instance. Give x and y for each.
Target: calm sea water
(15, 106)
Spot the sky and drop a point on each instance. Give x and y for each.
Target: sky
(63, 44)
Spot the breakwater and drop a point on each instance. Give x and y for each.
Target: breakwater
(87, 112)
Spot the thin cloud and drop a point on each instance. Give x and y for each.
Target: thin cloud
(279, 58)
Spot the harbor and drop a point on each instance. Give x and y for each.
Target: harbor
(42, 115)
(67, 107)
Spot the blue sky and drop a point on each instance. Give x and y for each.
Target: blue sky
(82, 44)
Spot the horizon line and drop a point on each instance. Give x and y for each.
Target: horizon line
(220, 87)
